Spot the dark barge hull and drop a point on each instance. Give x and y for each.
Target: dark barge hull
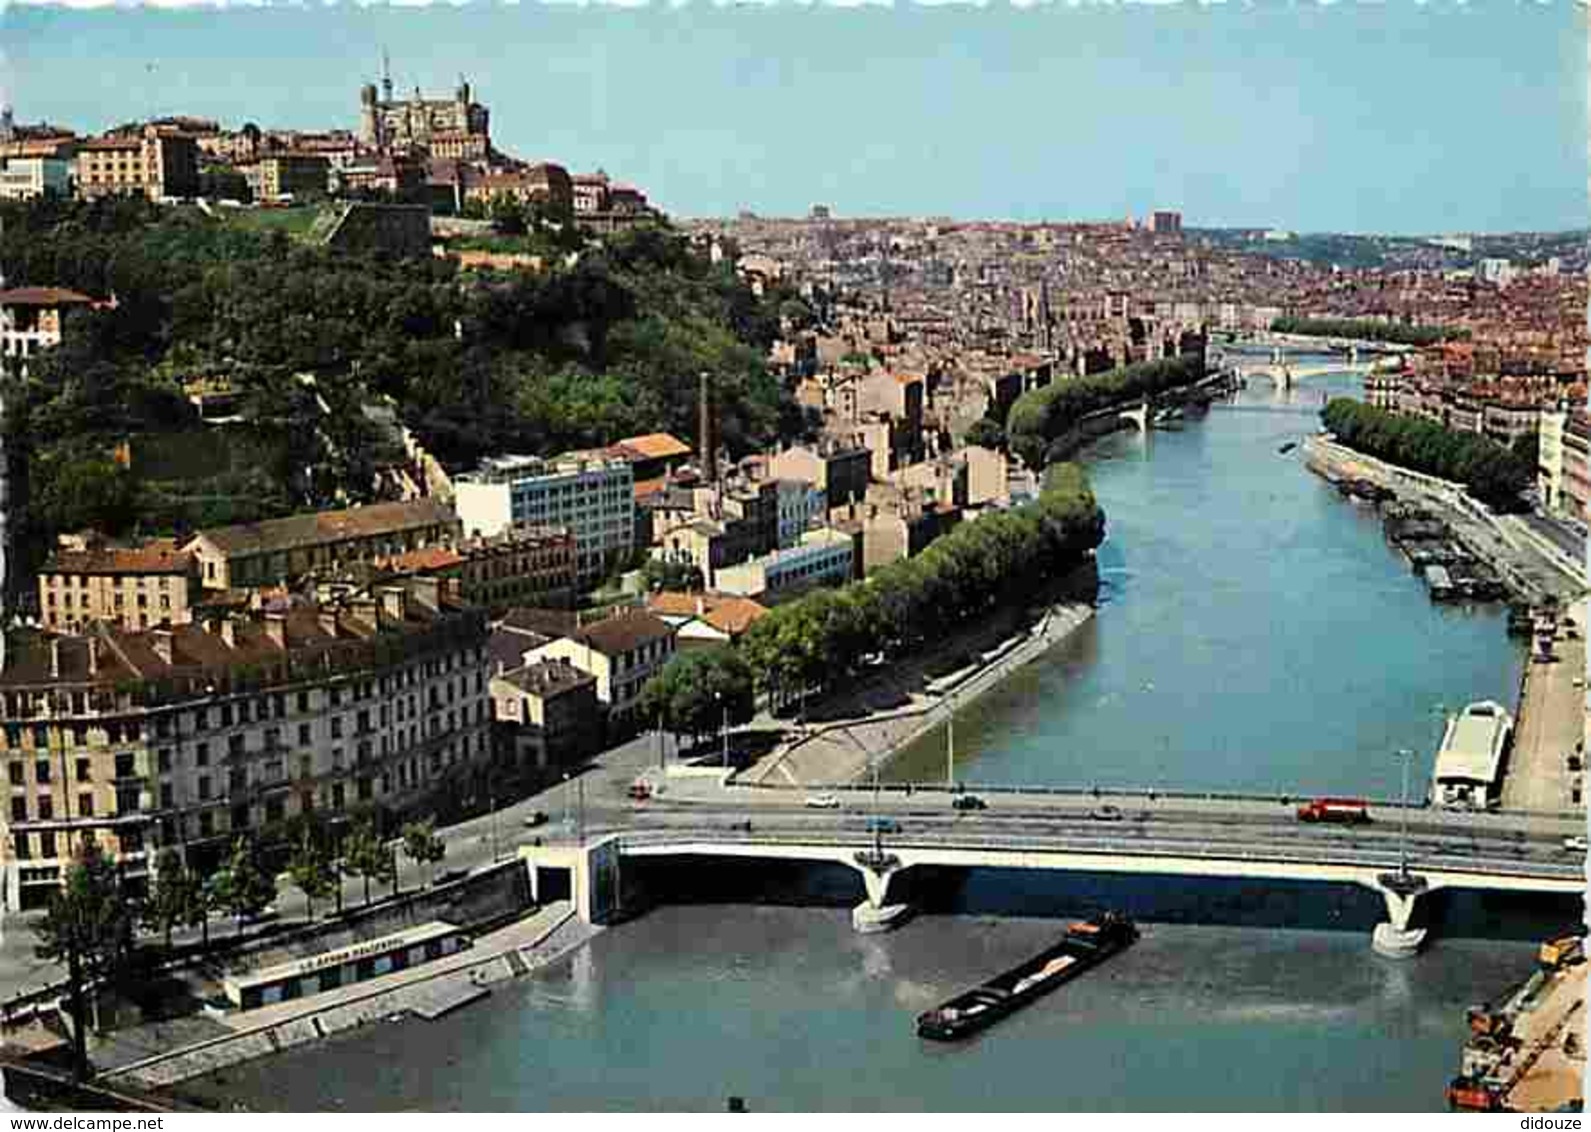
(1084, 946)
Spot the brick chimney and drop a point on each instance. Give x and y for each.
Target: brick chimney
(93, 656)
(160, 641)
(55, 658)
(327, 616)
(395, 602)
(704, 427)
(276, 628)
(229, 633)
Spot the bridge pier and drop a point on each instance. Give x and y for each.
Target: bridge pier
(876, 913)
(1395, 938)
(1139, 416)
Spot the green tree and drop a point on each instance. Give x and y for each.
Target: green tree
(311, 870)
(986, 433)
(661, 575)
(172, 896)
(240, 887)
(364, 856)
(89, 924)
(423, 845)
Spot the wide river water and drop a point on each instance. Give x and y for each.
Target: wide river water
(1255, 632)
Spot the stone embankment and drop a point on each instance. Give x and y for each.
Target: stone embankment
(428, 991)
(1550, 713)
(846, 749)
(1531, 567)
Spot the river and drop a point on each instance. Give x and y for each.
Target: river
(1256, 633)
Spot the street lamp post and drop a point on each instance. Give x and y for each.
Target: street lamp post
(724, 702)
(1406, 756)
(580, 826)
(950, 747)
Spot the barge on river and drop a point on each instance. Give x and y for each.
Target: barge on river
(1084, 945)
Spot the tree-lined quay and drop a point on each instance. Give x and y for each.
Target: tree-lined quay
(827, 637)
(1490, 472)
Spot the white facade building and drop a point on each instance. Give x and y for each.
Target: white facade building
(25, 178)
(824, 557)
(591, 493)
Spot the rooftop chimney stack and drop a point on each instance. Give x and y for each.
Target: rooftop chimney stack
(704, 428)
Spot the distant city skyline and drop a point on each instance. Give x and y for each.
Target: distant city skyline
(1390, 118)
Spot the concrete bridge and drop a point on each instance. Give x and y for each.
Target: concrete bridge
(1256, 851)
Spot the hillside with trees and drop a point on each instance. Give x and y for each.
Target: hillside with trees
(306, 337)
(1489, 471)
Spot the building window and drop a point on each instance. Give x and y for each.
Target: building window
(46, 807)
(204, 787)
(19, 809)
(201, 754)
(164, 758)
(166, 796)
(47, 844)
(16, 774)
(85, 805)
(303, 733)
(41, 771)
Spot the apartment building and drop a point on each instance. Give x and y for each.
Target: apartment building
(155, 163)
(518, 566)
(282, 175)
(623, 651)
(591, 494)
(249, 555)
(547, 715)
(189, 735)
(31, 318)
(840, 471)
(27, 178)
(1549, 458)
(1576, 494)
(823, 557)
(801, 505)
(131, 588)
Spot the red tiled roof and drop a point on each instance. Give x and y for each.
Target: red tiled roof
(42, 297)
(656, 445)
(158, 557)
(421, 560)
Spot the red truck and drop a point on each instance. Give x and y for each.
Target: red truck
(1344, 811)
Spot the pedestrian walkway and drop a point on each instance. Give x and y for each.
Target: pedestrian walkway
(845, 750)
(445, 983)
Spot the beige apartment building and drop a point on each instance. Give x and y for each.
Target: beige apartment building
(154, 163)
(131, 588)
(249, 555)
(623, 652)
(187, 736)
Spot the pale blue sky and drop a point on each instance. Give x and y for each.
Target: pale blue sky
(1350, 117)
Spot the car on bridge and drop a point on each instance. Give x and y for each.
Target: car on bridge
(822, 802)
(883, 825)
(1342, 811)
(1107, 812)
(969, 802)
(1574, 845)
